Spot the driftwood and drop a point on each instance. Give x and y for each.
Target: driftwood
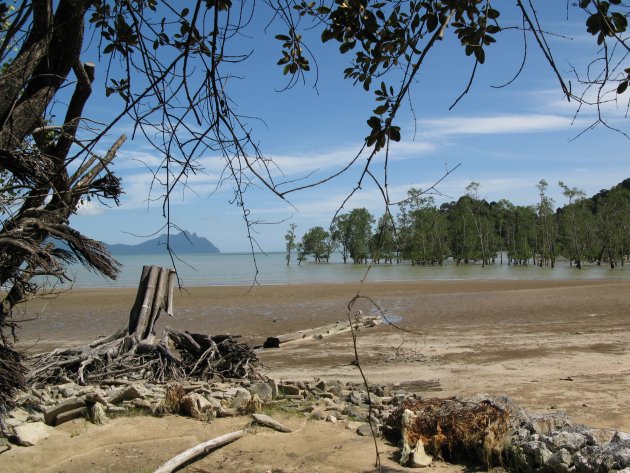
(198, 450)
(134, 352)
(267, 421)
(341, 326)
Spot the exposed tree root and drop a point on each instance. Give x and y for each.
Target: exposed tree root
(134, 353)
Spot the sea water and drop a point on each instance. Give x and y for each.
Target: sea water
(237, 269)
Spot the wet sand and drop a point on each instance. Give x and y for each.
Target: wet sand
(549, 345)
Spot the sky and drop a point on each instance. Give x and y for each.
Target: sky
(506, 139)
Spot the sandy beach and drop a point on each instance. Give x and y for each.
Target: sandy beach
(549, 345)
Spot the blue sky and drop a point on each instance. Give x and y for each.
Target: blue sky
(506, 139)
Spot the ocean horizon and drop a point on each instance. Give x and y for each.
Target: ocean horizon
(241, 269)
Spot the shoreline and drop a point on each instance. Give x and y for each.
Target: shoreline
(520, 338)
(550, 346)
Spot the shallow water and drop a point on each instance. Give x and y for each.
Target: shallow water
(240, 269)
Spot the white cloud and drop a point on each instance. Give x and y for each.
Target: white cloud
(494, 125)
(91, 208)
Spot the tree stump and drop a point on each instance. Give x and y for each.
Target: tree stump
(134, 352)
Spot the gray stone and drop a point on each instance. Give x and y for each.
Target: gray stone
(571, 441)
(273, 384)
(51, 413)
(365, 430)
(620, 437)
(263, 390)
(289, 390)
(561, 462)
(97, 414)
(30, 434)
(598, 436)
(538, 451)
(334, 387)
(318, 414)
(70, 415)
(127, 394)
(240, 400)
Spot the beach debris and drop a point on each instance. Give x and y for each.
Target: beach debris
(455, 429)
(199, 450)
(341, 326)
(412, 454)
(134, 352)
(266, 421)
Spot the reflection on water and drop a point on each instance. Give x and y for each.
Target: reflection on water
(239, 269)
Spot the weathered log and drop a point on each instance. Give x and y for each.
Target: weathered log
(267, 421)
(199, 450)
(341, 326)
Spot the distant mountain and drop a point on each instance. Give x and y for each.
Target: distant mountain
(181, 243)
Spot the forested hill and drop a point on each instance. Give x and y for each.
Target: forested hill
(181, 243)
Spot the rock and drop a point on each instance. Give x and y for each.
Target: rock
(561, 461)
(334, 387)
(70, 415)
(331, 418)
(253, 405)
(127, 394)
(620, 437)
(598, 436)
(30, 434)
(198, 407)
(94, 397)
(365, 431)
(321, 385)
(318, 414)
(274, 387)
(97, 414)
(571, 441)
(240, 400)
(51, 413)
(355, 398)
(263, 390)
(227, 412)
(289, 389)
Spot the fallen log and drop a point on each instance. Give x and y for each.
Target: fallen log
(198, 451)
(341, 326)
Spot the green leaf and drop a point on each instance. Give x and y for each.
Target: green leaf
(374, 123)
(282, 37)
(480, 54)
(394, 133)
(622, 87)
(347, 46)
(184, 12)
(109, 48)
(381, 109)
(493, 14)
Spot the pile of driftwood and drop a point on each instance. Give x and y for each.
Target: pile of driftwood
(134, 352)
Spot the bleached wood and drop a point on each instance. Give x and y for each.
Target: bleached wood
(199, 450)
